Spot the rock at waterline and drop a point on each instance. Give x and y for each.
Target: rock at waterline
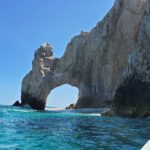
(71, 106)
(17, 103)
(132, 97)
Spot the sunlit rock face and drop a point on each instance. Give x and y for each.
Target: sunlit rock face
(132, 97)
(93, 61)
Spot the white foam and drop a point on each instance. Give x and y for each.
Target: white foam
(22, 110)
(96, 114)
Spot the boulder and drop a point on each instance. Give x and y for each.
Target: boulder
(71, 106)
(17, 103)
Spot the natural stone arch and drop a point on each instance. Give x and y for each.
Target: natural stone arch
(62, 96)
(93, 61)
(48, 73)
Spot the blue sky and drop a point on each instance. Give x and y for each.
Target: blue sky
(26, 24)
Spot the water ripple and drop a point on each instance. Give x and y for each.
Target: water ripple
(23, 129)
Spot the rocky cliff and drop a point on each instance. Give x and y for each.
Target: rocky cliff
(94, 61)
(132, 97)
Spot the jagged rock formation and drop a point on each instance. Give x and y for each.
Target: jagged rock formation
(132, 97)
(71, 106)
(93, 61)
(17, 103)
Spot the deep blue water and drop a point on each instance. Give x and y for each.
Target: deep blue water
(26, 129)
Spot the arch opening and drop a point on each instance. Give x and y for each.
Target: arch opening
(62, 96)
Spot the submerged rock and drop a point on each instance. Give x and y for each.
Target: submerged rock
(93, 61)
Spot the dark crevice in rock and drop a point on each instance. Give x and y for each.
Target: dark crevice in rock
(132, 98)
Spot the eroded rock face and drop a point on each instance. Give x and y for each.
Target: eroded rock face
(93, 61)
(132, 97)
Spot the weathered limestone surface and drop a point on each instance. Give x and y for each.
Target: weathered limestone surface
(93, 61)
(132, 97)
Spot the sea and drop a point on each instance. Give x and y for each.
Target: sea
(58, 129)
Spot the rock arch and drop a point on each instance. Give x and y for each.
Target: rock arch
(93, 61)
(48, 73)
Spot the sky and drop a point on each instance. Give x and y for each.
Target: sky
(26, 24)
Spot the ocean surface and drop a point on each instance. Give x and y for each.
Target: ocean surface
(27, 129)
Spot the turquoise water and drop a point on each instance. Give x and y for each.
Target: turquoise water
(26, 129)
